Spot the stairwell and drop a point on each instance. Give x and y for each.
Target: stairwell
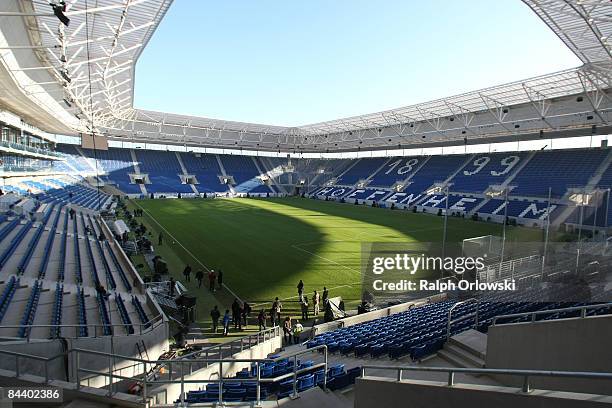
(466, 350)
(143, 189)
(591, 184)
(317, 397)
(516, 171)
(266, 172)
(374, 173)
(465, 163)
(184, 170)
(223, 173)
(420, 166)
(506, 182)
(339, 177)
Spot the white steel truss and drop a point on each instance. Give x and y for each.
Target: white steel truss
(93, 60)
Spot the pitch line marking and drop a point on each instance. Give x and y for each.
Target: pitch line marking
(324, 258)
(186, 250)
(296, 296)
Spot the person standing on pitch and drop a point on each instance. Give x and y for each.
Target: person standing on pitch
(304, 306)
(315, 302)
(275, 312)
(261, 319)
(220, 279)
(215, 315)
(226, 322)
(300, 288)
(236, 315)
(279, 307)
(246, 312)
(199, 277)
(325, 295)
(187, 273)
(160, 238)
(287, 331)
(212, 278)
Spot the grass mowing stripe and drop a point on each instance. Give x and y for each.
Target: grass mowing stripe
(264, 246)
(186, 250)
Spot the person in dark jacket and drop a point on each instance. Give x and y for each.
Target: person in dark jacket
(215, 315)
(236, 315)
(212, 278)
(261, 320)
(246, 312)
(199, 277)
(171, 286)
(287, 330)
(304, 306)
(300, 288)
(187, 273)
(220, 279)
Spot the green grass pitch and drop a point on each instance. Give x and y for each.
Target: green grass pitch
(265, 246)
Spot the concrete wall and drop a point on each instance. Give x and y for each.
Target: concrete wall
(168, 393)
(562, 345)
(41, 348)
(156, 342)
(376, 393)
(375, 314)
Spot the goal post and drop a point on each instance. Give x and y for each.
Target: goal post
(489, 246)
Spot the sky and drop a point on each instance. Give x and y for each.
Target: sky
(292, 63)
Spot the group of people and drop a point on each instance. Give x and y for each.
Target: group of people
(292, 331)
(317, 300)
(239, 315)
(215, 279)
(241, 310)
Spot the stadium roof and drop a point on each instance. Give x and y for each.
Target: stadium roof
(91, 66)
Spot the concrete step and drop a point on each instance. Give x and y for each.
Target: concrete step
(460, 358)
(316, 397)
(471, 341)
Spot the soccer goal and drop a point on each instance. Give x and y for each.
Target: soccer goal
(487, 246)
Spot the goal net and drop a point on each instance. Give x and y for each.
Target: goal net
(487, 246)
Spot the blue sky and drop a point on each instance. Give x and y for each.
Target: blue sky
(295, 62)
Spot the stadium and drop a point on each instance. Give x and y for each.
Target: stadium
(448, 253)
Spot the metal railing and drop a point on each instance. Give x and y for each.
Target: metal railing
(231, 347)
(178, 369)
(19, 146)
(176, 375)
(533, 315)
(450, 321)
(24, 356)
(151, 375)
(163, 288)
(510, 268)
(526, 374)
(98, 329)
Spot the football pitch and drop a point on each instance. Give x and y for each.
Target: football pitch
(265, 246)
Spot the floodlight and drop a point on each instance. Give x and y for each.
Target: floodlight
(59, 7)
